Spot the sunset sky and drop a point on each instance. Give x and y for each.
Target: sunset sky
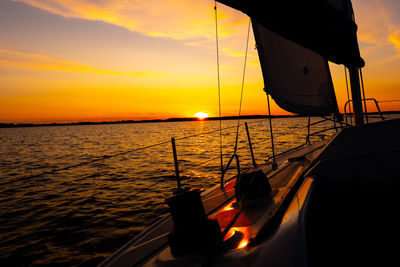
(101, 60)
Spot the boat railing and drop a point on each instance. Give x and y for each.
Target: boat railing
(319, 134)
(38, 172)
(324, 119)
(249, 155)
(233, 156)
(348, 114)
(142, 183)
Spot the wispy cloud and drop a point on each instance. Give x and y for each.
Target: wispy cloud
(178, 19)
(378, 22)
(395, 39)
(191, 21)
(43, 62)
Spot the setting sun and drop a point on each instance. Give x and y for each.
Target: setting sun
(201, 115)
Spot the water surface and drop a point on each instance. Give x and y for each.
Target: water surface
(107, 188)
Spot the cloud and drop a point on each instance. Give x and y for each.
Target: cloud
(379, 25)
(190, 21)
(43, 62)
(178, 19)
(193, 22)
(395, 39)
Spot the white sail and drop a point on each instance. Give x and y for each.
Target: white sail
(297, 78)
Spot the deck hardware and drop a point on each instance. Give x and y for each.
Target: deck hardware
(252, 184)
(192, 229)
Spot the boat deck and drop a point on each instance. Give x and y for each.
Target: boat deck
(220, 204)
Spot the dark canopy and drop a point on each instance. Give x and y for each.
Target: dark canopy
(323, 26)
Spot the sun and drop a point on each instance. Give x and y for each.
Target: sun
(201, 115)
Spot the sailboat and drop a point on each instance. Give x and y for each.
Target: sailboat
(329, 203)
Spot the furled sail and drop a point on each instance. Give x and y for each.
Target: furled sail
(297, 78)
(326, 27)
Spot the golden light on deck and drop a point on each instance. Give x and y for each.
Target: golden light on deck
(201, 115)
(243, 243)
(246, 236)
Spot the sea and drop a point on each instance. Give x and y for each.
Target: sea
(72, 195)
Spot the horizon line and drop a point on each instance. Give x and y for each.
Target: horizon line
(12, 125)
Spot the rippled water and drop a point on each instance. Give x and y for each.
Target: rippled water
(72, 195)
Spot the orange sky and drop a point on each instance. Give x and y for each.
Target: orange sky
(131, 59)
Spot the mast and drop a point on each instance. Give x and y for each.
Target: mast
(356, 95)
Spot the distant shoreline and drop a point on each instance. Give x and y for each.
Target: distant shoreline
(17, 125)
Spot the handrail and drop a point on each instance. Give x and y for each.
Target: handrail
(227, 167)
(213, 131)
(235, 155)
(324, 130)
(287, 151)
(324, 119)
(141, 190)
(365, 99)
(340, 121)
(225, 170)
(105, 157)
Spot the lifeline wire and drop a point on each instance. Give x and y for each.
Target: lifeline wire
(219, 89)
(395, 100)
(104, 157)
(82, 163)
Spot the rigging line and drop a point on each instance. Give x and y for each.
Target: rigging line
(205, 133)
(395, 100)
(104, 157)
(274, 165)
(241, 92)
(113, 204)
(363, 92)
(213, 131)
(219, 87)
(140, 190)
(204, 162)
(347, 85)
